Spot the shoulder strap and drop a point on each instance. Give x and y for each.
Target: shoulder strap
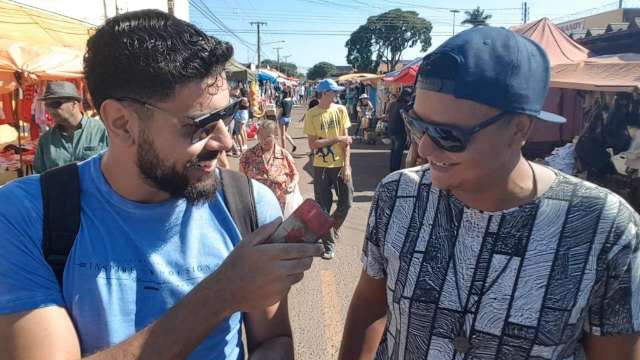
(61, 215)
(238, 195)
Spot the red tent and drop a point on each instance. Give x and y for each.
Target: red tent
(406, 75)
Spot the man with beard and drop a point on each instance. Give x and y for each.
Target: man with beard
(483, 254)
(157, 269)
(75, 136)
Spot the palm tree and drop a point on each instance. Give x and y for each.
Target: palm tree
(476, 17)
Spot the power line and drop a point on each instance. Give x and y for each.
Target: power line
(208, 14)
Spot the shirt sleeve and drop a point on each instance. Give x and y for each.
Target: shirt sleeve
(308, 125)
(244, 163)
(26, 280)
(267, 206)
(39, 165)
(372, 254)
(615, 303)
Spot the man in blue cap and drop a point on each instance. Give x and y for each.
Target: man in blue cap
(482, 254)
(326, 126)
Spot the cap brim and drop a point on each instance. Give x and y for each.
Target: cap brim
(338, 88)
(550, 117)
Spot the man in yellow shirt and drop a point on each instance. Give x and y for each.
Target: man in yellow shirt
(326, 126)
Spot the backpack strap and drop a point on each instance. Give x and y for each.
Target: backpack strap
(61, 215)
(238, 194)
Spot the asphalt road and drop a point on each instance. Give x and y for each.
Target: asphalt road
(318, 305)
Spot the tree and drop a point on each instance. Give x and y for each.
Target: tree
(289, 69)
(384, 37)
(320, 70)
(476, 17)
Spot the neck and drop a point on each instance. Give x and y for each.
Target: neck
(266, 149)
(324, 103)
(69, 125)
(126, 180)
(516, 185)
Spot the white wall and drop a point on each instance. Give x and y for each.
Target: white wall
(92, 11)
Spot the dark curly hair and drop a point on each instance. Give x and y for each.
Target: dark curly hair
(146, 54)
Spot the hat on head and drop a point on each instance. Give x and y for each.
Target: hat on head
(363, 96)
(328, 85)
(491, 66)
(60, 90)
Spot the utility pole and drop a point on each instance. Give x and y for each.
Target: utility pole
(278, 52)
(258, 24)
(286, 60)
(454, 12)
(117, 9)
(170, 7)
(620, 3)
(525, 12)
(104, 7)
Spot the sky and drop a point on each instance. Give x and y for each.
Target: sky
(316, 30)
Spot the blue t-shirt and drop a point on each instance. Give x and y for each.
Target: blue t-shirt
(131, 262)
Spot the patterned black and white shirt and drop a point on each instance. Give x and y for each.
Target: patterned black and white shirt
(568, 263)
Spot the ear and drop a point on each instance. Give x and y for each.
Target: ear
(521, 128)
(120, 121)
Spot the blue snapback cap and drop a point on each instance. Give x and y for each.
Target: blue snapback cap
(491, 66)
(328, 85)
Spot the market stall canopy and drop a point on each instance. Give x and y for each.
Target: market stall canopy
(357, 77)
(560, 48)
(20, 22)
(619, 72)
(239, 72)
(267, 75)
(36, 63)
(406, 75)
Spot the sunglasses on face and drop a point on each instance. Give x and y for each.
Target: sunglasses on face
(450, 138)
(55, 104)
(205, 124)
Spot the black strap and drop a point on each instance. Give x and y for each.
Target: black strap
(61, 215)
(238, 193)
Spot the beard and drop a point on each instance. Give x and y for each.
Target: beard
(167, 177)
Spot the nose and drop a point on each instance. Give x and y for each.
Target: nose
(426, 147)
(220, 139)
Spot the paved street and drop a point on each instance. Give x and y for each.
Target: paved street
(319, 305)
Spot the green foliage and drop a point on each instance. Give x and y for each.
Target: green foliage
(384, 37)
(289, 69)
(476, 17)
(320, 70)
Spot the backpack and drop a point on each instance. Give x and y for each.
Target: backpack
(60, 189)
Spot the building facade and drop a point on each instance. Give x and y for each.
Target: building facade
(611, 32)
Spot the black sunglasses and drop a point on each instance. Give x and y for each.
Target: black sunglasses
(204, 124)
(55, 104)
(449, 138)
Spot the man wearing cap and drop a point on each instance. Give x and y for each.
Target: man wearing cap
(482, 254)
(326, 126)
(75, 136)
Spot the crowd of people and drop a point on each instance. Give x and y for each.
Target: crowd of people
(150, 250)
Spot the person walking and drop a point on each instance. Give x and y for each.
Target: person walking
(326, 126)
(270, 164)
(396, 128)
(284, 120)
(484, 254)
